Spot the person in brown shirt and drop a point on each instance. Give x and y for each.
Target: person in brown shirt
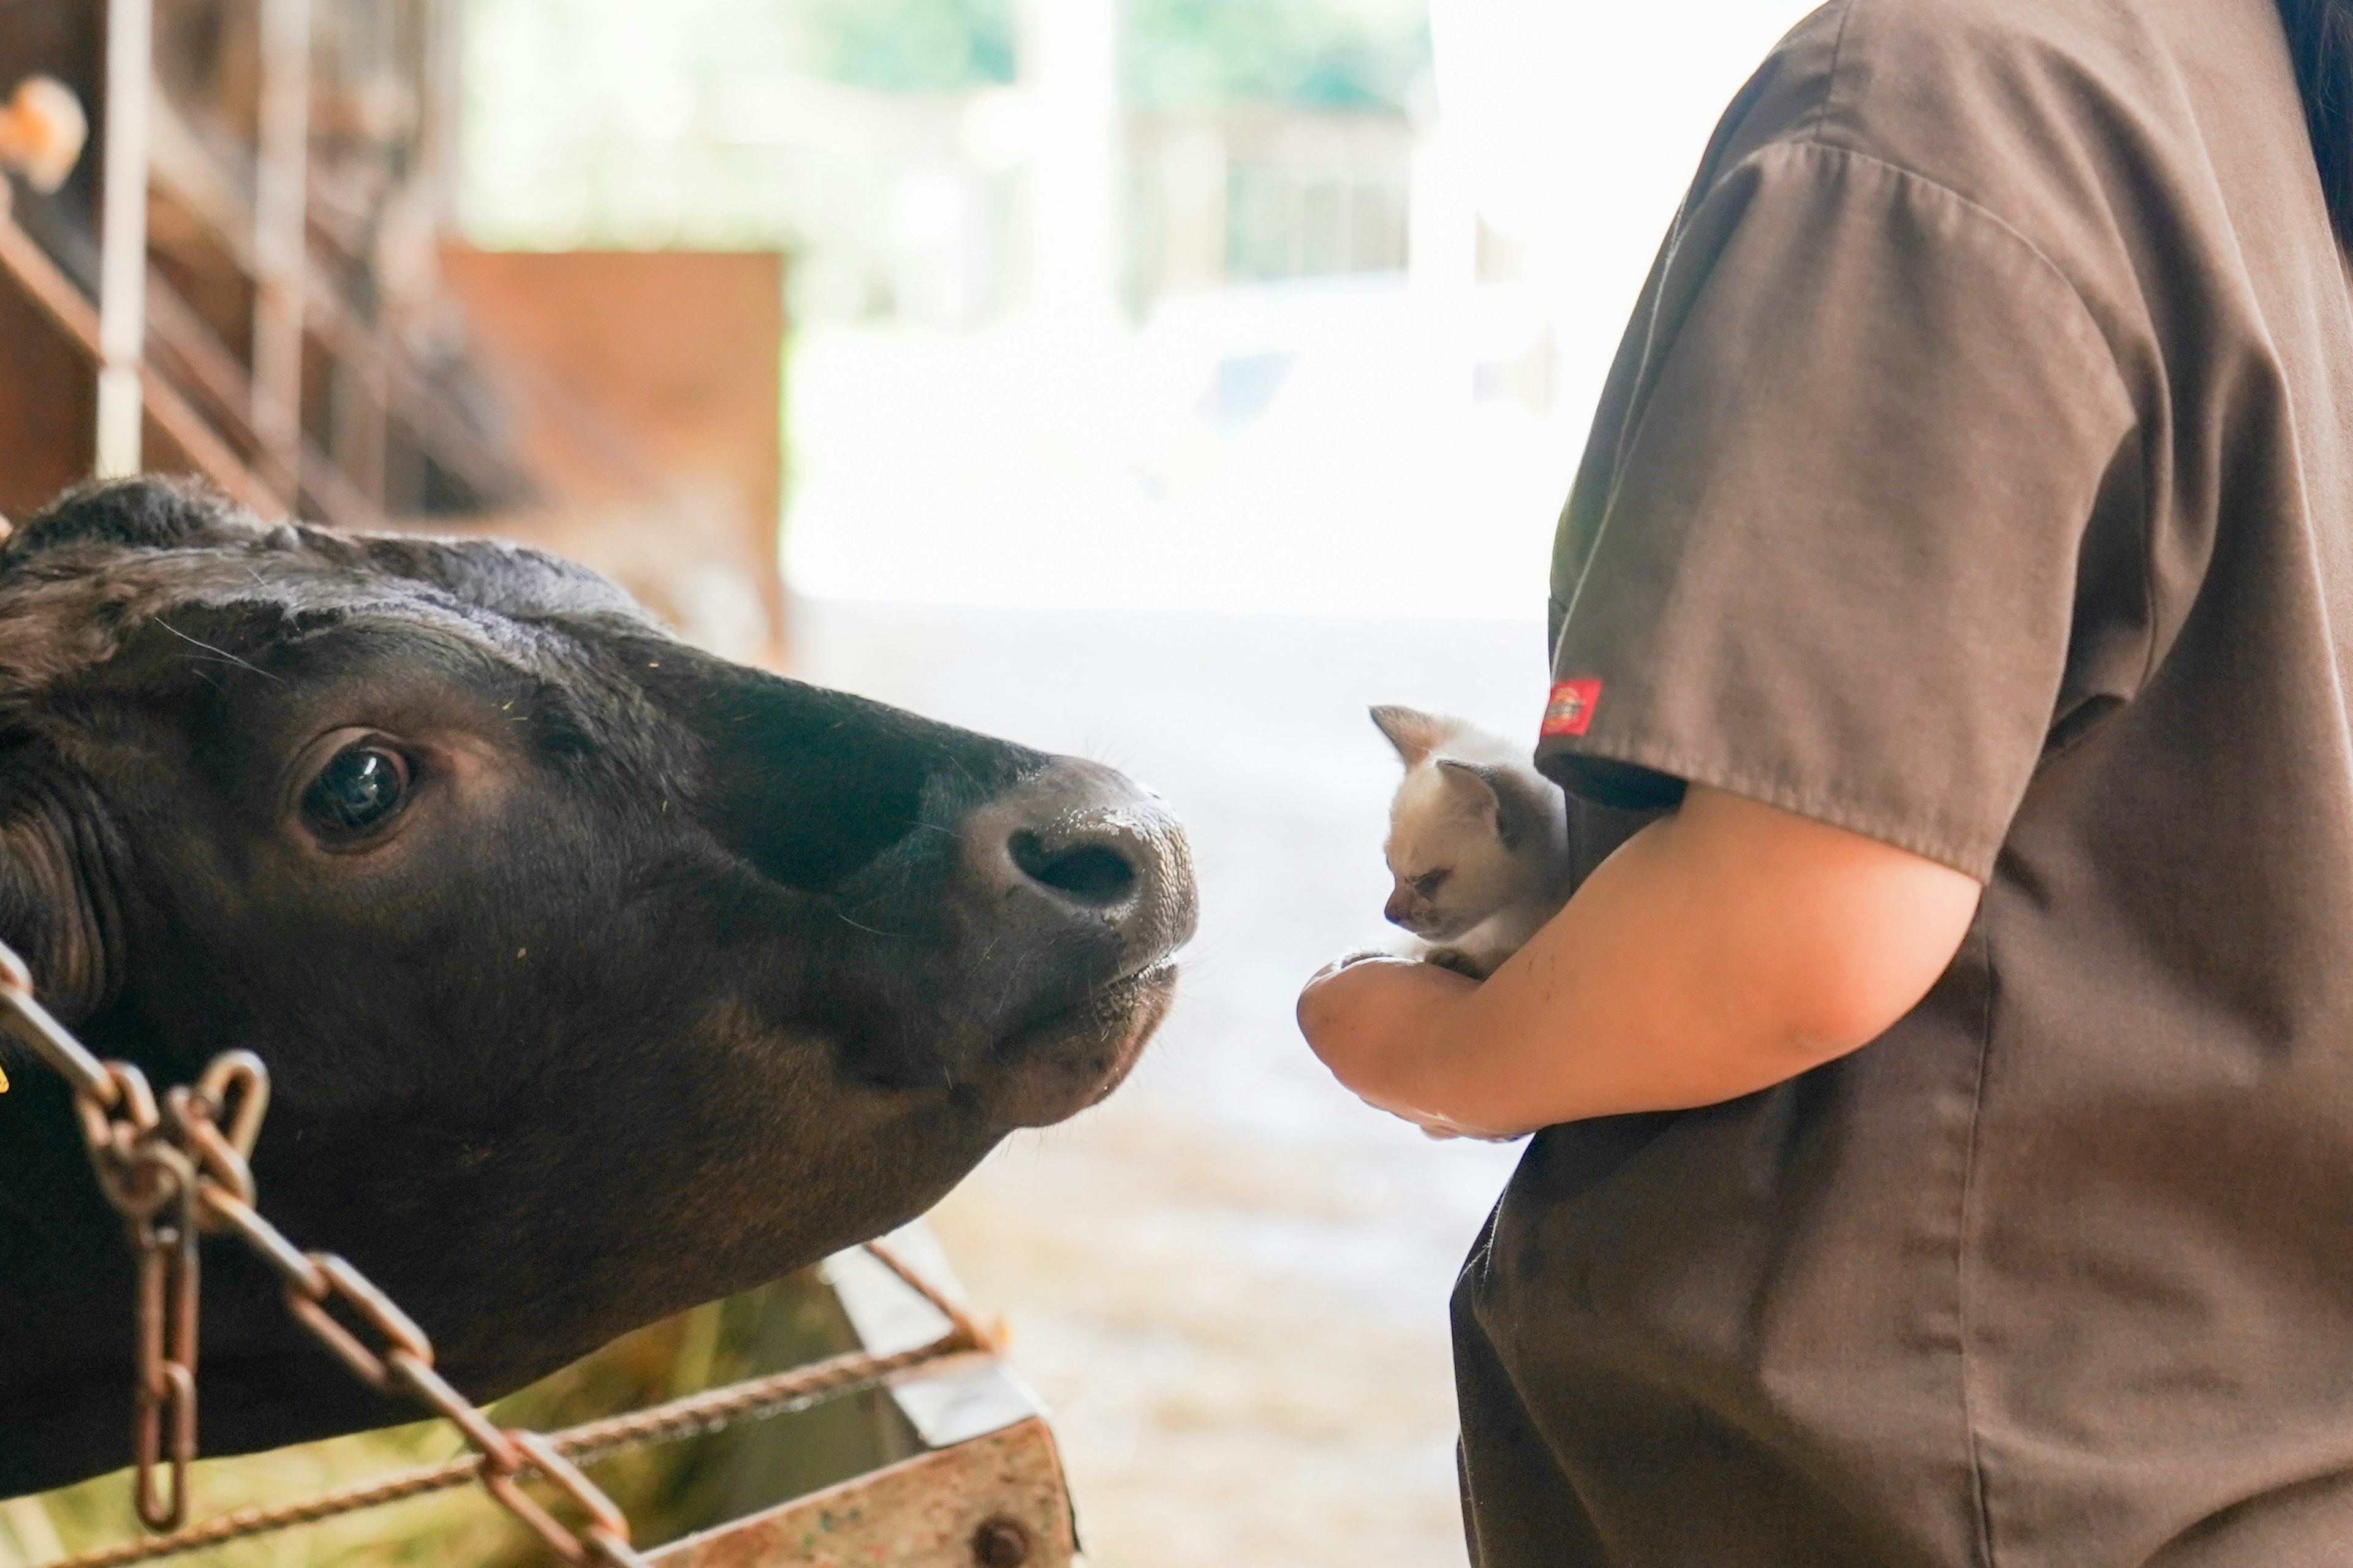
(1945, 1066)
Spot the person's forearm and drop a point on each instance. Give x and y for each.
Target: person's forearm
(1721, 951)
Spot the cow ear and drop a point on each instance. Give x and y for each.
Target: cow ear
(1412, 732)
(47, 913)
(148, 512)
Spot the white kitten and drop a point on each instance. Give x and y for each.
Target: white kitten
(1478, 842)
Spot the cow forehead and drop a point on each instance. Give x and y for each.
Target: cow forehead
(71, 611)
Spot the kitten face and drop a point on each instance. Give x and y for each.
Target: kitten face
(1448, 852)
(1474, 829)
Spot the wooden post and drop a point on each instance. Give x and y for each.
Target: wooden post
(123, 240)
(281, 177)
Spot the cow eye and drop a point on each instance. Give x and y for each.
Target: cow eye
(360, 788)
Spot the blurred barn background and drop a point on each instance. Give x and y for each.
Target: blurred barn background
(1161, 380)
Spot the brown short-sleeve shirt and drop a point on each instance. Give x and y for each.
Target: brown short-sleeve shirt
(1976, 475)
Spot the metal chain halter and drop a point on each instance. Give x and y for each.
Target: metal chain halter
(179, 1168)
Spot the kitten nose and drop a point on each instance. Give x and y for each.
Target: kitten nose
(1400, 905)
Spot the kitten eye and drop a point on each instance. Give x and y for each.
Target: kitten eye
(361, 788)
(1428, 882)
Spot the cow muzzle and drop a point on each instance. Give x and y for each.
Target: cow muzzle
(1077, 854)
(1076, 887)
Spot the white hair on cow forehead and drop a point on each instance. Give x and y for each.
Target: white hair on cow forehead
(67, 611)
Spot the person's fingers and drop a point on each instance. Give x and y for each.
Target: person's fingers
(1351, 960)
(1339, 989)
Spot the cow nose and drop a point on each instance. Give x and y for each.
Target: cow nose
(1095, 866)
(1077, 853)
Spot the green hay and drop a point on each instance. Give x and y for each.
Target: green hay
(668, 1490)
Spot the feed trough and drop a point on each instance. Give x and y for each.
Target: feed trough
(985, 1489)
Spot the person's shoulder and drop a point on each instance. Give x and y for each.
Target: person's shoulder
(1962, 91)
(1981, 97)
(1958, 31)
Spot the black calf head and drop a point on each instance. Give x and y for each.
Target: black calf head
(597, 976)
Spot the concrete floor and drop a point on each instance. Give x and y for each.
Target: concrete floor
(1228, 1281)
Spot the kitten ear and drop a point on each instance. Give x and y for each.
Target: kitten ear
(1471, 788)
(1410, 731)
(1501, 795)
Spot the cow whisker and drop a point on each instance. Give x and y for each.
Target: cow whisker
(224, 653)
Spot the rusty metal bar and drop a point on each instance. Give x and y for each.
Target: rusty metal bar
(443, 33)
(184, 168)
(123, 235)
(58, 300)
(281, 188)
(359, 397)
(221, 385)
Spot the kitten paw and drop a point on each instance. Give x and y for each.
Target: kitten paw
(1455, 959)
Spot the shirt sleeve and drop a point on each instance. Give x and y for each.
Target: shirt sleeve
(1829, 560)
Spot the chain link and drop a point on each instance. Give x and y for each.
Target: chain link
(170, 1171)
(165, 1381)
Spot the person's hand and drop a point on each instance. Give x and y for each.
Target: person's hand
(1374, 1019)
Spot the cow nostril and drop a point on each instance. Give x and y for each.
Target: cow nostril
(1088, 873)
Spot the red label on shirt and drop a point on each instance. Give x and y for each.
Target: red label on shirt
(1571, 708)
